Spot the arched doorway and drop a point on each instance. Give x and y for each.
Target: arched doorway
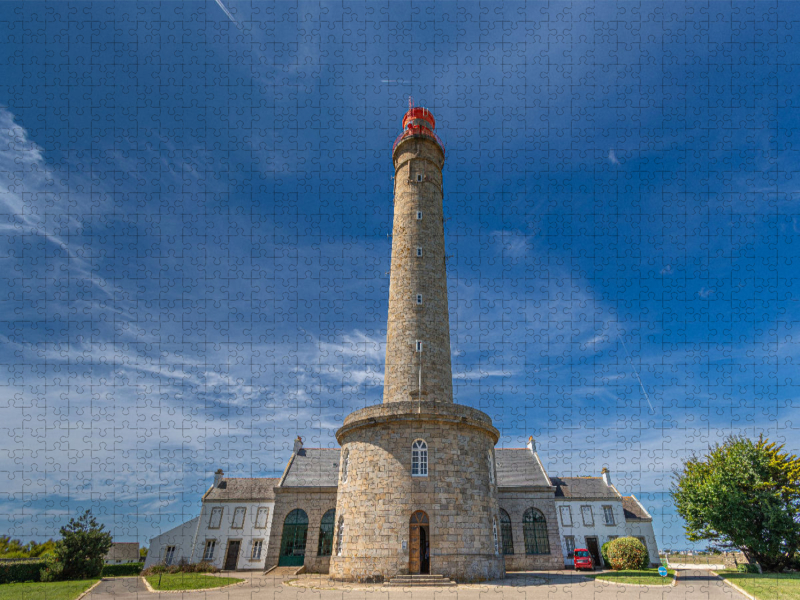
(419, 561)
(293, 540)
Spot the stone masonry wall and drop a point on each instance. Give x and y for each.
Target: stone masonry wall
(380, 495)
(315, 504)
(412, 275)
(515, 503)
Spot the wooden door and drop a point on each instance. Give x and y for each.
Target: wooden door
(415, 550)
(591, 546)
(232, 556)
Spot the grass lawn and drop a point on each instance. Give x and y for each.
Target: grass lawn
(644, 577)
(769, 586)
(188, 581)
(58, 590)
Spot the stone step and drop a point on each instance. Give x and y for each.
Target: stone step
(420, 580)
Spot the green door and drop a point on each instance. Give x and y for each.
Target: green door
(293, 541)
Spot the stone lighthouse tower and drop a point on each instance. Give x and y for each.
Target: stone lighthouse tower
(417, 491)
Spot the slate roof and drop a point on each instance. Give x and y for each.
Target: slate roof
(313, 467)
(516, 467)
(633, 509)
(584, 487)
(243, 488)
(128, 551)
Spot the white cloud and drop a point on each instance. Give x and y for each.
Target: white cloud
(612, 156)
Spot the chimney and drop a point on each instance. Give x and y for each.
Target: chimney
(298, 444)
(532, 445)
(217, 477)
(606, 476)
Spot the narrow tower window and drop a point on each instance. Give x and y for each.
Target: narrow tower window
(419, 298)
(494, 534)
(419, 251)
(419, 458)
(419, 215)
(419, 345)
(345, 465)
(490, 460)
(340, 536)
(419, 177)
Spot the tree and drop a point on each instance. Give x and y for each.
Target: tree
(80, 551)
(743, 495)
(142, 553)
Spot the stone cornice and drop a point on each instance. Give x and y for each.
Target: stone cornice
(397, 413)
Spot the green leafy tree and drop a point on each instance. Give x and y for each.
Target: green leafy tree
(142, 553)
(744, 495)
(80, 551)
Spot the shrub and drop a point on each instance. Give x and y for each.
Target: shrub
(122, 570)
(628, 553)
(80, 550)
(747, 568)
(18, 572)
(604, 552)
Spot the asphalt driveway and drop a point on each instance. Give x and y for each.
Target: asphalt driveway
(693, 584)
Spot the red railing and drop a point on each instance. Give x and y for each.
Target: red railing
(414, 130)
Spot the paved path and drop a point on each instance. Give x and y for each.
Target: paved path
(694, 584)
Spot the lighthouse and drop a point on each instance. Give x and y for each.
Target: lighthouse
(418, 329)
(417, 493)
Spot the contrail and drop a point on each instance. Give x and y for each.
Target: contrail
(225, 10)
(635, 372)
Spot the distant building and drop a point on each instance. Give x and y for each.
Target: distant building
(122, 553)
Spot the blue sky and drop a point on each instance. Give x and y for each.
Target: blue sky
(194, 220)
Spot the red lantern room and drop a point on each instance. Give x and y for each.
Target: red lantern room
(418, 122)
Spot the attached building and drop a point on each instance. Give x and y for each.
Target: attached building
(541, 520)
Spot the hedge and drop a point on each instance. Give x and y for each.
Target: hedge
(18, 572)
(122, 570)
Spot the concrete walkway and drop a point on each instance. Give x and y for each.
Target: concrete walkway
(693, 584)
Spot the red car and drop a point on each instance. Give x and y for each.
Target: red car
(583, 560)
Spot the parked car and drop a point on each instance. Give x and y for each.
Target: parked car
(583, 560)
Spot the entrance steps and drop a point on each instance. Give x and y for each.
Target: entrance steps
(420, 581)
(284, 571)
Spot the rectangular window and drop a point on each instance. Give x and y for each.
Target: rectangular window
(569, 541)
(608, 515)
(588, 517)
(566, 516)
(419, 298)
(238, 518)
(419, 215)
(255, 553)
(419, 252)
(261, 517)
(419, 345)
(419, 177)
(216, 518)
(208, 554)
(169, 556)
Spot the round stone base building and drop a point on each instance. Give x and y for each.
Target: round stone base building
(406, 507)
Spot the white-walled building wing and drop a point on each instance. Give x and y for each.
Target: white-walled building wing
(589, 513)
(172, 546)
(235, 523)
(639, 524)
